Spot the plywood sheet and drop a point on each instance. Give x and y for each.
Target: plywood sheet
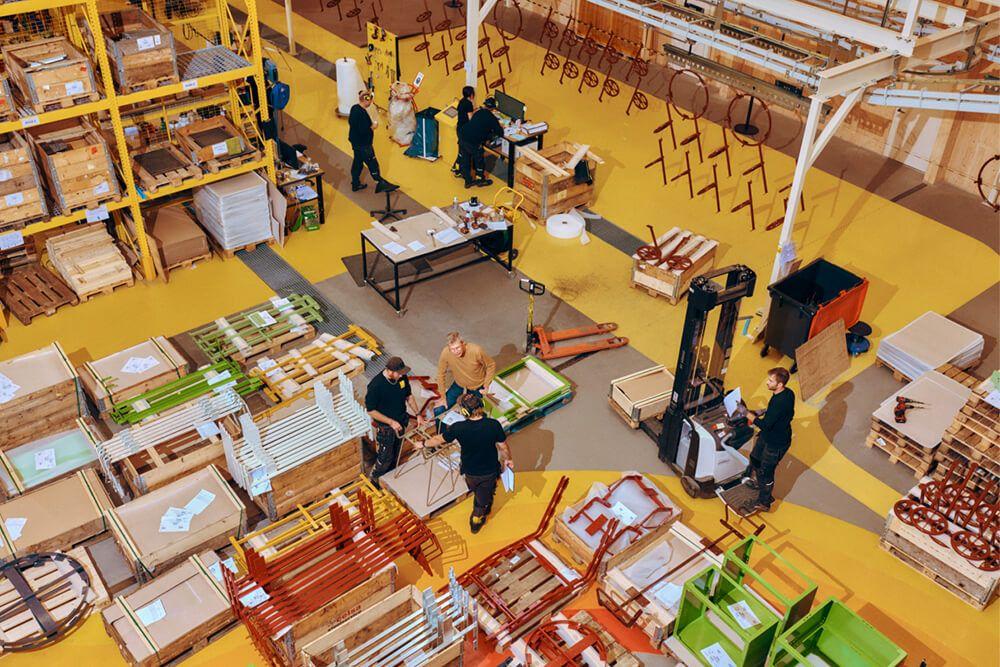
(925, 426)
(37, 370)
(821, 359)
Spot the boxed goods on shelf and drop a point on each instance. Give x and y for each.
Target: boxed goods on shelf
(21, 197)
(141, 51)
(50, 73)
(77, 164)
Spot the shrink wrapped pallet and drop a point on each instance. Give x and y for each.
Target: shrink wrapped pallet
(235, 212)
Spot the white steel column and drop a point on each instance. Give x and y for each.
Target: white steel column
(288, 23)
(475, 14)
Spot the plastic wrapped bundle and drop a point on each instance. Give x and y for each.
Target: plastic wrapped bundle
(349, 85)
(402, 113)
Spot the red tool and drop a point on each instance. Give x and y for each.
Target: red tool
(902, 405)
(541, 342)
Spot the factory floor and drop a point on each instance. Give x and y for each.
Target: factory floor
(833, 492)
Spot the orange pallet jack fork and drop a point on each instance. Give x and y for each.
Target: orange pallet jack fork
(541, 342)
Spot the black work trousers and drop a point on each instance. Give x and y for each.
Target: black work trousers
(483, 488)
(388, 451)
(471, 159)
(364, 156)
(764, 460)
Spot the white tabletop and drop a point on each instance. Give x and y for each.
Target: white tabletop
(421, 235)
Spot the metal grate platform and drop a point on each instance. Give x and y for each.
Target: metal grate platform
(208, 61)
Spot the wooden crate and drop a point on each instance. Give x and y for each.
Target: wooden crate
(30, 291)
(50, 73)
(77, 164)
(196, 609)
(939, 563)
(89, 261)
(214, 143)
(141, 51)
(546, 179)
(161, 165)
(7, 109)
(70, 451)
(641, 395)
(658, 279)
(22, 199)
(46, 400)
(114, 378)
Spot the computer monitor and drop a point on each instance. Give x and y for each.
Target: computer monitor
(509, 106)
(288, 154)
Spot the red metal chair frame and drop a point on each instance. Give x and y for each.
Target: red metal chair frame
(635, 531)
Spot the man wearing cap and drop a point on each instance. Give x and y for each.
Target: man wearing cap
(388, 396)
(470, 368)
(481, 128)
(362, 138)
(481, 439)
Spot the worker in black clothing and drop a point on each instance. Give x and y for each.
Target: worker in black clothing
(773, 441)
(481, 128)
(466, 106)
(362, 137)
(480, 439)
(388, 396)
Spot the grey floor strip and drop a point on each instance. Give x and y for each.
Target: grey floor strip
(614, 235)
(280, 276)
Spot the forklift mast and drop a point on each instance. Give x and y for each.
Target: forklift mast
(698, 386)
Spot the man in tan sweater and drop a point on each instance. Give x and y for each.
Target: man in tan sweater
(471, 371)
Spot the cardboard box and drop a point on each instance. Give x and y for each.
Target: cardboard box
(178, 236)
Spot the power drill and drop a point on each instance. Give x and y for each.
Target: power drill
(902, 405)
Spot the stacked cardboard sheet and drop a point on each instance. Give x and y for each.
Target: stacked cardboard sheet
(89, 261)
(929, 342)
(235, 211)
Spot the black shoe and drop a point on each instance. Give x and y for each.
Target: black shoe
(385, 186)
(476, 526)
(469, 184)
(750, 483)
(483, 182)
(358, 186)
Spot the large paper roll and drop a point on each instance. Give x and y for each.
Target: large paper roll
(565, 225)
(349, 84)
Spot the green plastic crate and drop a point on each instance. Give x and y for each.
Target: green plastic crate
(834, 635)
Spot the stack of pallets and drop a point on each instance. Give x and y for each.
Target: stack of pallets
(30, 291)
(235, 212)
(974, 438)
(89, 261)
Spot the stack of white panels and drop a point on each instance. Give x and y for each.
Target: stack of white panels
(929, 342)
(235, 211)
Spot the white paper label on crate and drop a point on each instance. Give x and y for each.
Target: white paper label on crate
(993, 398)
(5, 175)
(190, 84)
(743, 614)
(717, 656)
(208, 430)
(281, 303)
(176, 520)
(30, 121)
(97, 214)
(74, 87)
(395, 248)
(147, 43)
(14, 199)
(254, 598)
(259, 482)
(14, 526)
(220, 148)
(102, 188)
(215, 569)
(11, 240)
(415, 246)
(669, 594)
(266, 363)
(151, 613)
(624, 514)
(218, 377)
(136, 365)
(140, 405)
(261, 319)
(45, 459)
(198, 504)
(7, 388)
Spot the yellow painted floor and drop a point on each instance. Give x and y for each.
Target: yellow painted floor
(909, 260)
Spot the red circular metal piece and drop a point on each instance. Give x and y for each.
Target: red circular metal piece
(591, 46)
(552, 61)
(678, 262)
(639, 100)
(570, 70)
(590, 78)
(613, 55)
(649, 253)
(995, 204)
(730, 124)
(423, 16)
(610, 88)
(508, 37)
(929, 521)
(670, 95)
(550, 29)
(422, 46)
(970, 546)
(903, 509)
(443, 25)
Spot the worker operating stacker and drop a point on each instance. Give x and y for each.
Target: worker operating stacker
(773, 441)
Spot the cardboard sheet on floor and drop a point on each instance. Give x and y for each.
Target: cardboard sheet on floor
(137, 523)
(926, 426)
(56, 516)
(821, 359)
(427, 485)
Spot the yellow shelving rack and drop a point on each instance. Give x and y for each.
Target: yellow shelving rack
(230, 56)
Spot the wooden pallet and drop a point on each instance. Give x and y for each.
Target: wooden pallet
(653, 293)
(229, 253)
(900, 448)
(150, 84)
(65, 102)
(216, 165)
(31, 291)
(89, 261)
(658, 279)
(173, 168)
(897, 375)
(107, 289)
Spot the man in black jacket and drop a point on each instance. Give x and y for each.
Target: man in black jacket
(773, 441)
(386, 400)
(481, 128)
(466, 106)
(362, 137)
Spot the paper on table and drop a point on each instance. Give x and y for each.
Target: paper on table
(14, 526)
(208, 429)
(395, 248)
(176, 520)
(497, 225)
(45, 459)
(717, 656)
(152, 612)
(446, 236)
(255, 597)
(732, 401)
(507, 477)
(452, 418)
(198, 504)
(668, 593)
(743, 614)
(136, 365)
(7, 388)
(415, 246)
(624, 514)
(216, 568)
